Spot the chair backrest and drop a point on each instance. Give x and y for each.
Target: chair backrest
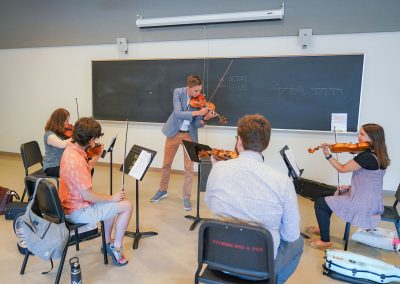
(47, 203)
(31, 155)
(240, 249)
(397, 195)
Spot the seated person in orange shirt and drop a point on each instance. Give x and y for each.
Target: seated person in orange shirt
(80, 202)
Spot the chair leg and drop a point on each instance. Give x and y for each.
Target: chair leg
(61, 265)
(76, 239)
(22, 271)
(23, 195)
(103, 238)
(346, 235)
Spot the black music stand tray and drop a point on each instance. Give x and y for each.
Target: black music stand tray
(130, 161)
(192, 149)
(291, 171)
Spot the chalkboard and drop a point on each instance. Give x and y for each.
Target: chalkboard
(293, 92)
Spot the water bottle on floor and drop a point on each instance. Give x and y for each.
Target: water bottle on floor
(76, 276)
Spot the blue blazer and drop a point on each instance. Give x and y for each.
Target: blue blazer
(181, 112)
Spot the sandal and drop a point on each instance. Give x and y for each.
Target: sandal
(116, 254)
(312, 230)
(318, 244)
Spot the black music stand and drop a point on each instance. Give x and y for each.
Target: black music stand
(192, 149)
(110, 150)
(291, 165)
(295, 175)
(130, 162)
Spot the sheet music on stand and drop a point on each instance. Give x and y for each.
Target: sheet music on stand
(138, 161)
(290, 162)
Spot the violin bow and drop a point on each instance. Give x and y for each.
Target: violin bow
(220, 80)
(77, 108)
(123, 162)
(337, 157)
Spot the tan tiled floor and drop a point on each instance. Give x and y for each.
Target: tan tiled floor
(170, 257)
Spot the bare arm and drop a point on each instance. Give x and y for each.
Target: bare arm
(92, 196)
(350, 166)
(55, 141)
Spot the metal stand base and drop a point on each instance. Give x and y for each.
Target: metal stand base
(196, 218)
(138, 235)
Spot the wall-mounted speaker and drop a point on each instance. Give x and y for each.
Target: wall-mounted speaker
(122, 45)
(305, 36)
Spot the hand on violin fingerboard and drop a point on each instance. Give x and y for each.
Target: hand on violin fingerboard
(211, 114)
(202, 111)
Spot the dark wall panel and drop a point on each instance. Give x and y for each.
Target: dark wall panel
(27, 23)
(298, 92)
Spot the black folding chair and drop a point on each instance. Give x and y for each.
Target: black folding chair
(31, 156)
(234, 253)
(48, 205)
(390, 214)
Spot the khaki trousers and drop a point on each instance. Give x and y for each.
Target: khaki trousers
(170, 149)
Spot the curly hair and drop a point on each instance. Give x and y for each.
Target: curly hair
(84, 130)
(255, 132)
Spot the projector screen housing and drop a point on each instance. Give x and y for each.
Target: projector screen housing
(212, 18)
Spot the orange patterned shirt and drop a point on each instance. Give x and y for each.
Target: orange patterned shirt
(75, 176)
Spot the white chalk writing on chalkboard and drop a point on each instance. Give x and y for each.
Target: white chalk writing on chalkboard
(238, 82)
(287, 91)
(327, 91)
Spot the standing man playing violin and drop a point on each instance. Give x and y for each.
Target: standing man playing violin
(181, 125)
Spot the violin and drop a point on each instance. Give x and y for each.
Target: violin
(219, 154)
(201, 102)
(93, 151)
(69, 129)
(344, 147)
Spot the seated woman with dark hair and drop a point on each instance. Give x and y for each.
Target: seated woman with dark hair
(361, 203)
(55, 141)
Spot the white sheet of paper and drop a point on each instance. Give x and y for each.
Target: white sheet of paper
(292, 162)
(339, 122)
(140, 165)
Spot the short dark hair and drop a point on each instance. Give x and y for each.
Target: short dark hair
(194, 80)
(85, 129)
(255, 132)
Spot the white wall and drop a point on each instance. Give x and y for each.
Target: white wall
(35, 81)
